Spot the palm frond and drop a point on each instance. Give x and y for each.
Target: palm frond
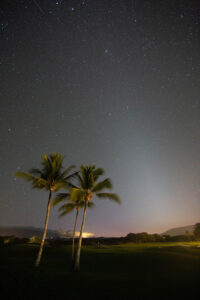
(46, 165)
(80, 180)
(52, 165)
(50, 176)
(110, 196)
(56, 164)
(77, 194)
(105, 184)
(83, 177)
(91, 204)
(87, 177)
(59, 184)
(36, 172)
(66, 208)
(40, 183)
(70, 185)
(62, 214)
(97, 172)
(71, 176)
(66, 171)
(80, 204)
(26, 176)
(90, 179)
(60, 197)
(37, 182)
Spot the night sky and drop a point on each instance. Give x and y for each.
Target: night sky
(111, 83)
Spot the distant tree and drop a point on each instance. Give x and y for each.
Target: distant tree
(86, 189)
(34, 240)
(141, 237)
(197, 230)
(144, 237)
(50, 177)
(1, 240)
(69, 207)
(131, 237)
(10, 239)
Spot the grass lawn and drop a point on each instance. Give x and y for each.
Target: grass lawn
(128, 271)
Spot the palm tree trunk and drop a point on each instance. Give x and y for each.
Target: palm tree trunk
(45, 231)
(77, 263)
(74, 232)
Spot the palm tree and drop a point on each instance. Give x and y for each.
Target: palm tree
(50, 177)
(69, 207)
(87, 188)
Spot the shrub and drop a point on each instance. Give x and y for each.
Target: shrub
(35, 240)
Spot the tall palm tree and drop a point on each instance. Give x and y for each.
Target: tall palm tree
(69, 207)
(88, 186)
(50, 177)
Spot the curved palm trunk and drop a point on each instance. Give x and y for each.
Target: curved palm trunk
(45, 231)
(74, 231)
(77, 262)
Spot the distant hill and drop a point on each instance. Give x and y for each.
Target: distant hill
(179, 230)
(27, 232)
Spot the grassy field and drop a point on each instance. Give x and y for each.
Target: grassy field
(129, 271)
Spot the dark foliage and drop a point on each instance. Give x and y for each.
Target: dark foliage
(142, 237)
(197, 231)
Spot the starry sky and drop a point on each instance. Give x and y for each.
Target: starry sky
(112, 83)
